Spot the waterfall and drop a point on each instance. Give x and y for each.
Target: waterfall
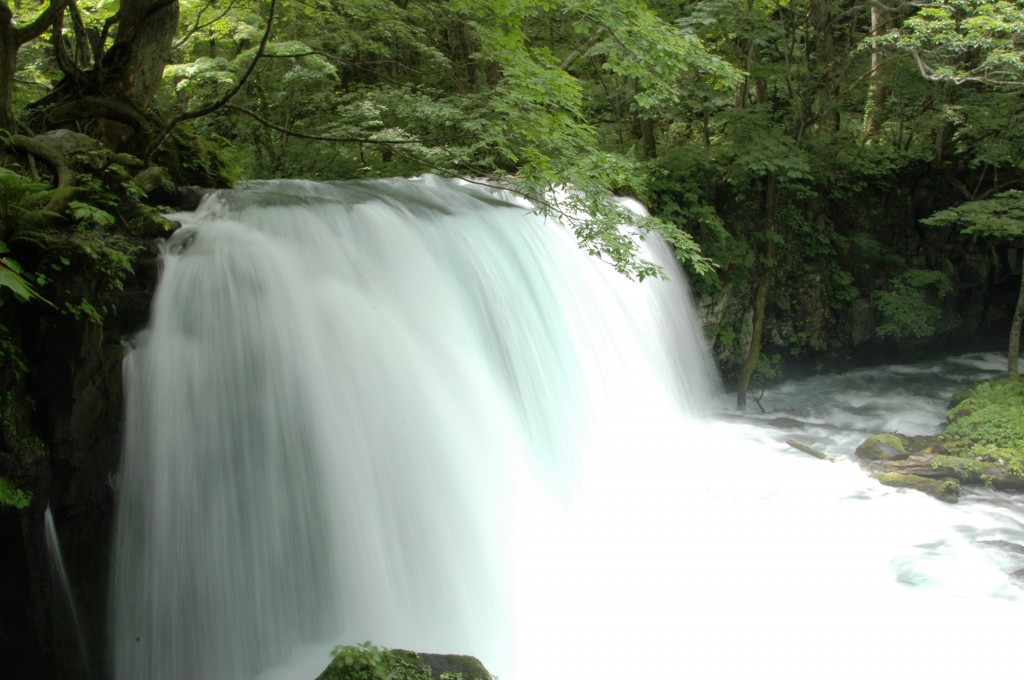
(355, 403)
(415, 413)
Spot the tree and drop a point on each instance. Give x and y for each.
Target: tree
(974, 43)
(484, 89)
(1000, 217)
(11, 40)
(965, 41)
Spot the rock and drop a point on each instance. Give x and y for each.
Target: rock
(153, 178)
(882, 447)
(965, 470)
(189, 197)
(945, 490)
(368, 662)
(468, 667)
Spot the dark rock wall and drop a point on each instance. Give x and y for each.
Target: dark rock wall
(60, 442)
(814, 323)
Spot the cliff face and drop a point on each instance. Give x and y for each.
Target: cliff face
(60, 418)
(862, 281)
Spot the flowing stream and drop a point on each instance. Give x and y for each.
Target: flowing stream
(413, 412)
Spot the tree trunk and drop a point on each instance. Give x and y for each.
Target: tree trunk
(134, 65)
(1015, 328)
(824, 55)
(877, 92)
(650, 144)
(756, 335)
(771, 201)
(945, 130)
(8, 66)
(11, 39)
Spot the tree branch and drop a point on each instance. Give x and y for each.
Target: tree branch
(329, 138)
(198, 27)
(23, 34)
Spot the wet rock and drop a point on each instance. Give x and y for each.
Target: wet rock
(368, 662)
(882, 447)
(946, 490)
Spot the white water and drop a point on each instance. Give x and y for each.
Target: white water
(406, 413)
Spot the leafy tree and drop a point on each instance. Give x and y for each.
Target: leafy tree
(1000, 217)
(963, 41)
(12, 38)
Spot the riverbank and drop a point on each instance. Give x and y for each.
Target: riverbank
(982, 444)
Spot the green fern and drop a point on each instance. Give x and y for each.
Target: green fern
(23, 200)
(12, 279)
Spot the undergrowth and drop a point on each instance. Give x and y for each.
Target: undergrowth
(988, 424)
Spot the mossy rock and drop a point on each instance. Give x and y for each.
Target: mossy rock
(967, 470)
(947, 490)
(369, 662)
(882, 447)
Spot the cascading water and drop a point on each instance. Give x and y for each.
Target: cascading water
(411, 412)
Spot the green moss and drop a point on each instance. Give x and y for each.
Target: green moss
(882, 447)
(987, 426)
(369, 662)
(969, 470)
(12, 496)
(944, 490)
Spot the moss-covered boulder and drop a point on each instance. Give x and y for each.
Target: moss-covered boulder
(369, 662)
(882, 447)
(947, 490)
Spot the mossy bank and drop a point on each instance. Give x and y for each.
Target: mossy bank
(982, 445)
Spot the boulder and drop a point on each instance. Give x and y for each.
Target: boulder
(882, 447)
(947, 490)
(369, 662)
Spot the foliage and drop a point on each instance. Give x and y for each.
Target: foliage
(1000, 217)
(366, 661)
(907, 305)
(965, 40)
(987, 425)
(358, 662)
(12, 277)
(455, 87)
(12, 496)
(21, 203)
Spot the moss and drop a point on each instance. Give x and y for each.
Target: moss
(967, 470)
(986, 426)
(947, 490)
(12, 496)
(369, 662)
(882, 447)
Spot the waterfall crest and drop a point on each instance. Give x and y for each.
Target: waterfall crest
(334, 406)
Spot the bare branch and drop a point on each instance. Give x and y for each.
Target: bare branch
(198, 26)
(330, 138)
